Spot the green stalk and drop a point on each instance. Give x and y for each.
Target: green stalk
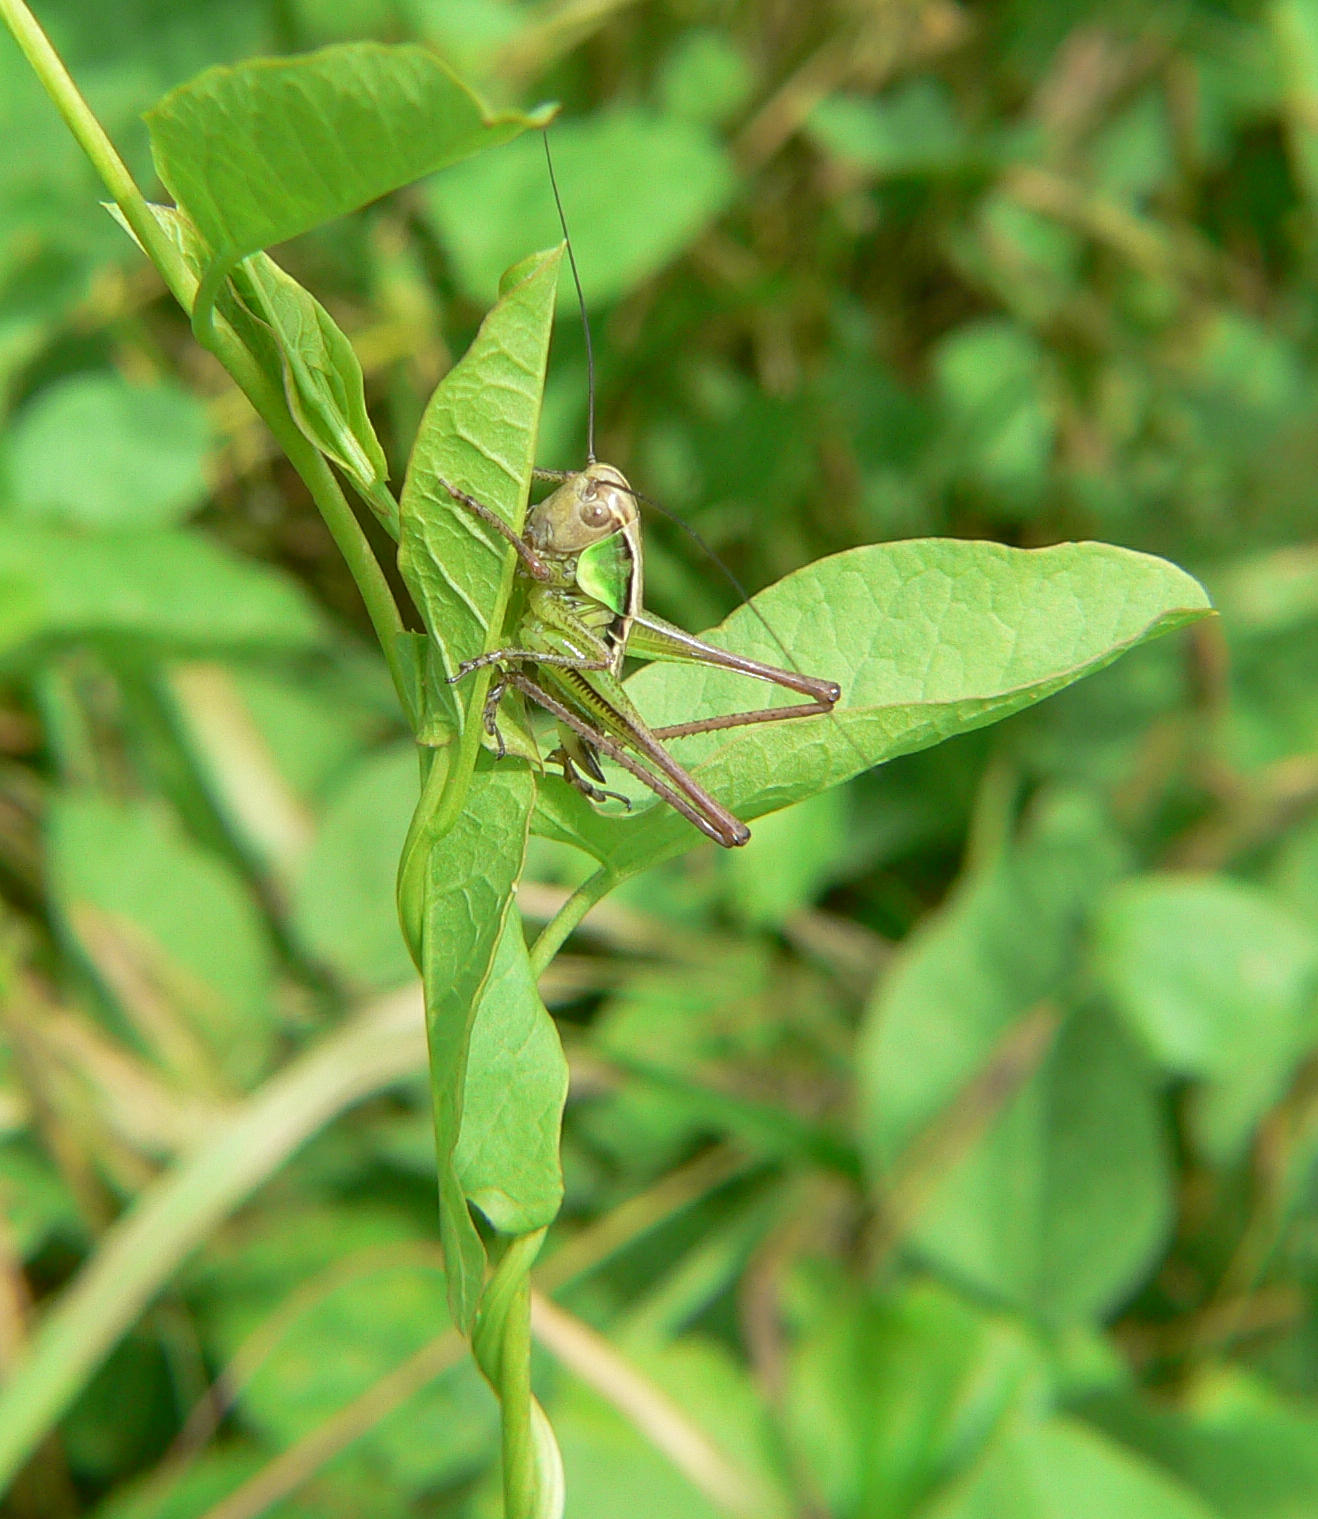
(346, 531)
(502, 1347)
(550, 938)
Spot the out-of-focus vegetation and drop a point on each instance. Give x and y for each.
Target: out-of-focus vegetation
(952, 1150)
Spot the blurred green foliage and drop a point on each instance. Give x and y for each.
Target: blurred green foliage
(953, 1149)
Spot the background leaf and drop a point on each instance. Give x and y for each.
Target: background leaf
(344, 910)
(1218, 983)
(1068, 1145)
(96, 451)
(639, 189)
(171, 931)
(163, 587)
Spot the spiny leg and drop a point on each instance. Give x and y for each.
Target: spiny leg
(653, 638)
(535, 656)
(745, 719)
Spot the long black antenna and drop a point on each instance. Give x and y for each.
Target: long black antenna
(581, 301)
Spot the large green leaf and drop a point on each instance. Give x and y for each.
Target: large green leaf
(928, 638)
(507, 1154)
(1061, 1470)
(262, 151)
(637, 188)
(471, 872)
(171, 931)
(167, 587)
(478, 434)
(1060, 1200)
(1217, 981)
(97, 451)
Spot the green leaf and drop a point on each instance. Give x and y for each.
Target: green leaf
(472, 871)
(37, 1200)
(99, 452)
(22, 612)
(170, 930)
(1218, 982)
(478, 433)
(790, 859)
(912, 129)
(343, 908)
(1058, 1201)
(270, 148)
(302, 351)
(168, 587)
(706, 77)
(928, 638)
(1244, 1449)
(1061, 1470)
(994, 375)
(606, 1453)
(1294, 24)
(365, 1279)
(322, 376)
(638, 189)
(512, 1110)
(1269, 592)
(886, 1396)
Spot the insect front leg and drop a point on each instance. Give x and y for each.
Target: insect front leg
(531, 561)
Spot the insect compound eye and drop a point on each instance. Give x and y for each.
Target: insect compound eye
(595, 513)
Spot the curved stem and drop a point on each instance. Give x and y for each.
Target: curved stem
(502, 1346)
(550, 939)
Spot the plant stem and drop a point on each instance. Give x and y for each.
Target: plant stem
(550, 939)
(386, 619)
(502, 1345)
